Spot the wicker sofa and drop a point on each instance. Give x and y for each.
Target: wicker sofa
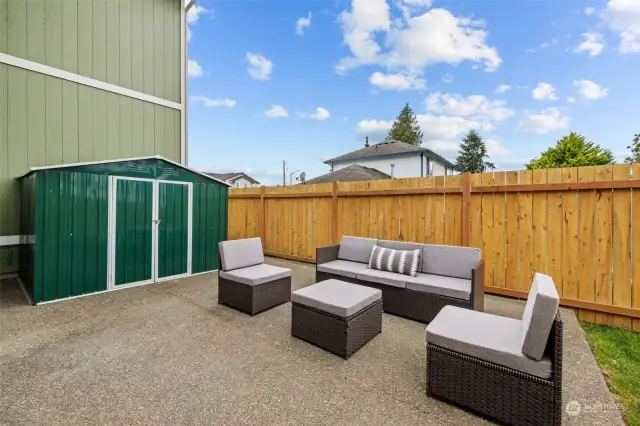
(506, 369)
(449, 275)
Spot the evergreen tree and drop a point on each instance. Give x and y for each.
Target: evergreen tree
(635, 150)
(472, 157)
(572, 151)
(366, 142)
(406, 128)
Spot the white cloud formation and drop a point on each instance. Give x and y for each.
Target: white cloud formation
(302, 24)
(593, 44)
(193, 16)
(447, 78)
(194, 69)
(503, 88)
(320, 114)
(477, 107)
(571, 99)
(276, 111)
(544, 121)
(589, 11)
(544, 92)
(400, 82)
(623, 17)
(259, 67)
(211, 103)
(413, 42)
(590, 90)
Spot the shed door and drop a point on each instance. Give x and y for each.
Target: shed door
(174, 229)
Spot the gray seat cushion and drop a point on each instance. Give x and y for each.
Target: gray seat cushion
(539, 314)
(256, 274)
(457, 288)
(337, 297)
(241, 253)
(488, 337)
(383, 277)
(344, 268)
(450, 261)
(356, 249)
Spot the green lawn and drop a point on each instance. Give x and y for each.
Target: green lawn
(617, 352)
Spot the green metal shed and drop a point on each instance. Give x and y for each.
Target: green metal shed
(107, 225)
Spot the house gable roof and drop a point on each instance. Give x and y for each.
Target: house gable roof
(351, 173)
(233, 176)
(388, 148)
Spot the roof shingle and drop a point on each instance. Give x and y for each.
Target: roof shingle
(351, 173)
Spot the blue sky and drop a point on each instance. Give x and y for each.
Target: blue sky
(304, 81)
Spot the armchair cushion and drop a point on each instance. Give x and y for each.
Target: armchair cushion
(236, 254)
(257, 274)
(488, 337)
(539, 314)
(458, 288)
(450, 261)
(343, 268)
(356, 249)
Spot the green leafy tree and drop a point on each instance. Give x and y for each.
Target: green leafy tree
(406, 128)
(572, 151)
(635, 150)
(473, 157)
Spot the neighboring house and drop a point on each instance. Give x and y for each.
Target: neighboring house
(237, 180)
(398, 159)
(83, 82)
(352, 173)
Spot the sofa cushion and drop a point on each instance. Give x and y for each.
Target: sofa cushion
(356, 249)
(336, 297)
(257, 274)
(240, 253)
(458, 288)
(451, 261)
(383, 277)
(488, 337)
(403, 245)
(344, 268)
(539, 314)
(399, 261)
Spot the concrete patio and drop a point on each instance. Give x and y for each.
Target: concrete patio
(169, 354)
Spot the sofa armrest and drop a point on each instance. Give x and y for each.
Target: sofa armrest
(477, 287)
(326, 254)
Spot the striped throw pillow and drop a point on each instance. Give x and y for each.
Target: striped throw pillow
(399, 261)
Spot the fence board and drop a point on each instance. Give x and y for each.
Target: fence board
(499, 244)
(635, 249)
(570, 254)
(622, 245)
(539, 225)
(586, 233)
(525, 224)
(487, 227)
(554, 228)
(511, 201)
(604, 236)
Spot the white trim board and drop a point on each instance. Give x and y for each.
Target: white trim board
(15, 240)
(86, 81)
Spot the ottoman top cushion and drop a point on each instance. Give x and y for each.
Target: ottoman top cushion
(337, 297)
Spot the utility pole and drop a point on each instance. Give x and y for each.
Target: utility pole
(284, 173)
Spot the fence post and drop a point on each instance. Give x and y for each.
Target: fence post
(466, 201)
(261, 216)
(334, 213)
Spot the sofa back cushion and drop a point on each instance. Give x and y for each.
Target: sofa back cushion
(539, 314)
(236, 254)
(399, 261)
(402, 245)
(356, 249)
(450, 261)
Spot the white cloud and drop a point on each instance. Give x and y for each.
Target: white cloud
(477, 107)
(276, 111)
(414, 41)
(590, 90)
(623, 17)
(447, 78)
(544, 92)
(589, 11)
(495, 148)
(194, 69)
(193, 16)
(259, 67)
(320, 114)
(418, 3)
(302, 24)
(593, 43)
(434, 127)
(571, 99)
(503, 88)
(544, 121)
(398, 82)
(208, 102)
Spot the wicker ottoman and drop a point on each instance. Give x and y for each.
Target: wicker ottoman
(337, 316)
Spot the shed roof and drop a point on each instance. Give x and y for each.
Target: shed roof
(352, 173)
(120, 160)
(388, 148)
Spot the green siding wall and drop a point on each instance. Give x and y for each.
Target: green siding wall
(71, 212)
(47, 121)
(209, 225)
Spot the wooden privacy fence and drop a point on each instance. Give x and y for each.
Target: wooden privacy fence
(579, 225)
